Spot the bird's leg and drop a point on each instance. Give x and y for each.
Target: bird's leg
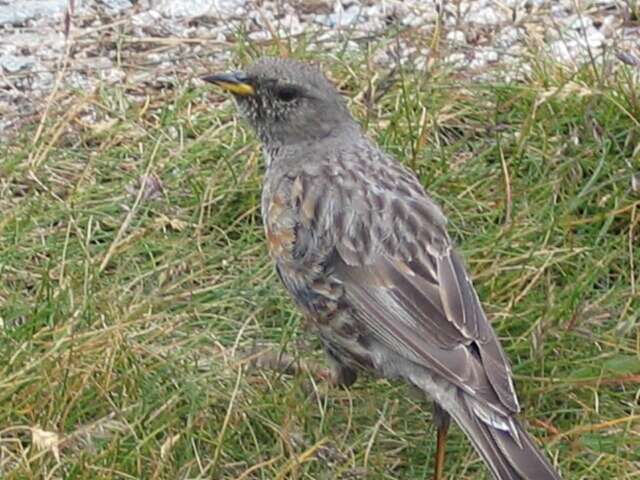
(341, 375)
(271, 358)
(442, 419)
(337, 375)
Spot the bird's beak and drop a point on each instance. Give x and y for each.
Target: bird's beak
(237, 83)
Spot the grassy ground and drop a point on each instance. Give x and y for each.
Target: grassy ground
(126, 305)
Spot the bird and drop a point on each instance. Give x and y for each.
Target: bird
(364, 252)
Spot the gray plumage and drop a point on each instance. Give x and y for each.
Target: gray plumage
(365, 254)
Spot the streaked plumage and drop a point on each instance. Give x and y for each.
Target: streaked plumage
(365, 254)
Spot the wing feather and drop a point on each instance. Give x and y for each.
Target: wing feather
(422, 304)
(400, 279)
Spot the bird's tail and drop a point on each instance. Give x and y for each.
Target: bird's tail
(508, 458)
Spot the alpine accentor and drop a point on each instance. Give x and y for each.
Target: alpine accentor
(365, 254)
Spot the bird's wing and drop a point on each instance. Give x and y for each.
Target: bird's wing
(383, 249)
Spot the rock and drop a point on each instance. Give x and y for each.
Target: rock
(198, 8)
(381, 57)
(13, 63)
(486, 16)
(260, 36)
(483, 57)
(457, 36)
(564, 50)
(314, 7)
(14, 13)
(116, 5)
(341, 17)
(291, 25)
(628, 58)
(411, 20)
(507, 37)
(455, 59)
(113, 75)
(610, 25)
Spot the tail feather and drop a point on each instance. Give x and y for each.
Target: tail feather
(507, 458)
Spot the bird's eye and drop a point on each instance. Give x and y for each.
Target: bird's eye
(286, 93)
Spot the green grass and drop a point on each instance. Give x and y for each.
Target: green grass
(124, 319)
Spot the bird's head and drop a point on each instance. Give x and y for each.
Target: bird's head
(286, 101)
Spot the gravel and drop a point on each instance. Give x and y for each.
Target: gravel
(163, 41)
(20, 12)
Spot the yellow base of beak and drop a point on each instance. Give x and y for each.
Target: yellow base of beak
(242, 89)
